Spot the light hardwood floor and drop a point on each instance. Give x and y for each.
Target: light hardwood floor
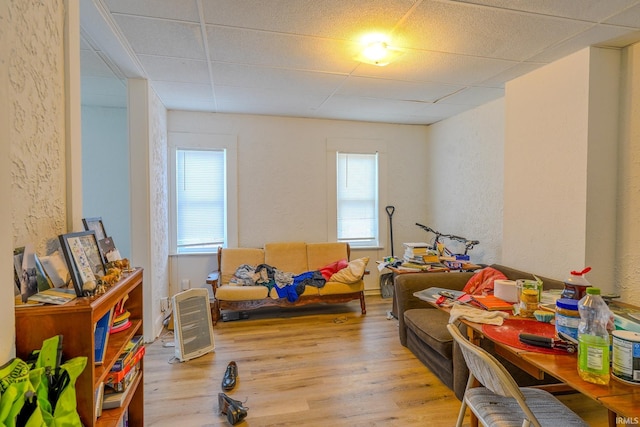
(313, 366)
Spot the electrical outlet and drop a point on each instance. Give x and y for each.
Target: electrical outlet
(164, 304)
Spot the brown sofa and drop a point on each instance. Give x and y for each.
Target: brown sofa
(423, 328)
(294, 257)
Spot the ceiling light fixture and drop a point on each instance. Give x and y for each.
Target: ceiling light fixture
(377, 51)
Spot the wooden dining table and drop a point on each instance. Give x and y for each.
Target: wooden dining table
(621, 399)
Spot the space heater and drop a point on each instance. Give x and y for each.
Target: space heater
(193, 330)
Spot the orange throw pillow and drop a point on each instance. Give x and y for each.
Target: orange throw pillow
(482, 282)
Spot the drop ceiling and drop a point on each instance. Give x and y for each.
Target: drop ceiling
(296, 57)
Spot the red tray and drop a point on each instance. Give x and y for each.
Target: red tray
(508, 333)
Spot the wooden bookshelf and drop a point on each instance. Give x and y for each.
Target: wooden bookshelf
(75, 321)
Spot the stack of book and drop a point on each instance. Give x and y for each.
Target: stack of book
(419, 256)
(415, 251)
(121, 316)
(123, 373)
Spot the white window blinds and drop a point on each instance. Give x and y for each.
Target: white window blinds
(200, 200)
(357, 198)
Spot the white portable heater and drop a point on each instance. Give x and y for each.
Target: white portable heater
(193, 330)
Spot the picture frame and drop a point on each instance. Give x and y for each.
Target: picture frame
(84, 259)
(96, 225)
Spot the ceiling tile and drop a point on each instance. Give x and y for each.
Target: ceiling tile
(593, 36)
(181, 10)
(586, 10)
(278, 50)
(424, 66)
(628, 18)
(474, 96)
(497, 33)
(341, 103)
(247, 76)
(395, 89)
(150, 36)
(175, 69)
(338, 19)
(442, 109)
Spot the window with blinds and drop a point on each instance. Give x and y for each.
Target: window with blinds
(357, 198)
(200, 200)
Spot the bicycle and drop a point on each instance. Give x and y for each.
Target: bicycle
(443, 250)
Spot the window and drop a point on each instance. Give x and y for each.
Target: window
(356, 173)
(357, 198)
(200, 200)
(203, 196)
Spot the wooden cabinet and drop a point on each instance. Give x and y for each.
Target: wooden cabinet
(75, 321)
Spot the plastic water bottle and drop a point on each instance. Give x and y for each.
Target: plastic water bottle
(593, 338)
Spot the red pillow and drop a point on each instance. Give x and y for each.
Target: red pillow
(329, 270)
(482, 282)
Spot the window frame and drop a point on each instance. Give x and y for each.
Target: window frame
(203, 141)
(356, 146)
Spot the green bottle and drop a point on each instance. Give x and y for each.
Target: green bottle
(593, 338)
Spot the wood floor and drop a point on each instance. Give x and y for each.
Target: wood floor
(313, 366)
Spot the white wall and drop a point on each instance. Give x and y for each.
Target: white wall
(465, 166)
(628, 231)
(560, 167)
(282, 183)
(105, 172)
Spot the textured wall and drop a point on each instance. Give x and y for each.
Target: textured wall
(37, 121)
(465, 163)
(628, 234)
(33, 135)
(159, 205)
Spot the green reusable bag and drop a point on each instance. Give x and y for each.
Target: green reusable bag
(18, 403)
(57, 391)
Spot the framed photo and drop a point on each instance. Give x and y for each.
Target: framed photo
(96, 225)
(82, 253)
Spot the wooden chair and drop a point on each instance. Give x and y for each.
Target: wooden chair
(500, 402)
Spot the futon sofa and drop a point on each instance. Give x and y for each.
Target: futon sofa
(330, 259)
(422, 327)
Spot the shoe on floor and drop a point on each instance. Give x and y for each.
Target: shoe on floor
(230, 375)
(233, 409)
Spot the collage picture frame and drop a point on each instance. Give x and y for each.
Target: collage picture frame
(84, 258)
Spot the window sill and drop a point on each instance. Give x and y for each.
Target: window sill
(365, 248)
(176, 254)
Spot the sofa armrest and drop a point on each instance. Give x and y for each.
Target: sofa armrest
(213, 279)
(405, 285)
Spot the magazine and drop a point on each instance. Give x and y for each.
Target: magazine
(56, 296)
